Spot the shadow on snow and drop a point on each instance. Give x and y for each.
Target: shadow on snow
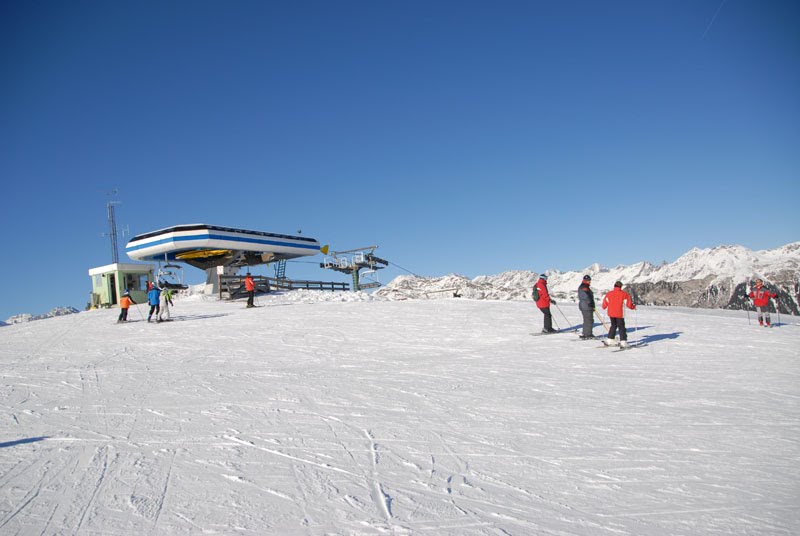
(647, 339)
(22, 441)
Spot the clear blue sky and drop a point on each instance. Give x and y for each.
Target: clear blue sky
(467, 137)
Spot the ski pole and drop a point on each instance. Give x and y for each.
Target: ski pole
(553, 318)
(747, 308)
(141, 316)
(562, 313)
(599, 316)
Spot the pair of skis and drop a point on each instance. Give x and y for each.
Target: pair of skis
(617, 347)
(620, 348)
(555, 332)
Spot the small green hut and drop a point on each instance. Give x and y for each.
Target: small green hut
(111, 281)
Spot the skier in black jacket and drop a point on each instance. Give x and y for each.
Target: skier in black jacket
(586, 305)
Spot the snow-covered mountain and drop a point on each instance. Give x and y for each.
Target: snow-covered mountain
(26, 317)
(717, 277)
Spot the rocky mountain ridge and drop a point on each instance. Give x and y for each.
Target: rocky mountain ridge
(717, 277)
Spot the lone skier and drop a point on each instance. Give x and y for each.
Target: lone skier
(586, 305)
(543, 301)
(761, 296)
(250, 287)
(615, 301)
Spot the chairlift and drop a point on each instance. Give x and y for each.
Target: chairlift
(369, 276)
(170, 276)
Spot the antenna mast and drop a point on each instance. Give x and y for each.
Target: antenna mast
(112, 228)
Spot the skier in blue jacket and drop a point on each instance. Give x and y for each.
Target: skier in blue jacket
(153, 298)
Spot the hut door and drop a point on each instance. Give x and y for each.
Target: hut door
(112, 280)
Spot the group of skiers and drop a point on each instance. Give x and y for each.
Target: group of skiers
(155, 297)
(159, 298)
(616, 301)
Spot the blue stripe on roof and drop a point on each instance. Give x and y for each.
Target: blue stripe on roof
(220, 237)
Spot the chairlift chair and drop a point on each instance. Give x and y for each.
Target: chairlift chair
(369, 276)
(171, 276)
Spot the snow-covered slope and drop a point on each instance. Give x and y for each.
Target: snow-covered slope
(339, 413)
(716, 277)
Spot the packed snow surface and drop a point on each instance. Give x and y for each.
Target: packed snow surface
(323, 414)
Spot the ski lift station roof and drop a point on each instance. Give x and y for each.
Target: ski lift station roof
(206, 246)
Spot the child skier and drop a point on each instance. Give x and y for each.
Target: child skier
(760, 297)
(124, 304)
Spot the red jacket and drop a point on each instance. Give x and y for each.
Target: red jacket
(614, 302)
(761, 296)
(249, 284)
(544, 296)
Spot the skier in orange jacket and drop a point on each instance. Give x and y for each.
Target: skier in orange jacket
(124, 304)
(250, 287)
(615, 301)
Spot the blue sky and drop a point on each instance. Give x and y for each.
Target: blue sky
(467, 137)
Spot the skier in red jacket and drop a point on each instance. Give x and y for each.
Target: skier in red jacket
(615, 301)
(760, 297)
(543, 301)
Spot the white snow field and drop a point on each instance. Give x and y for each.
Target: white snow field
(340, 414)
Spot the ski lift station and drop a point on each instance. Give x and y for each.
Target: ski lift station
(220, 251)
(208, 246)
(111, 281)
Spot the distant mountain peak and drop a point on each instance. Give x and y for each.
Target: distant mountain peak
(27, 317)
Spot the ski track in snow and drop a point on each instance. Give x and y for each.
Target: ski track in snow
(441, 417)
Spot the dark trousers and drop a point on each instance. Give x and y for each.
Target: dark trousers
(250, 295)
(548, 318)
(153, 309)
(588, 323)
(618, 323)
(123, 315)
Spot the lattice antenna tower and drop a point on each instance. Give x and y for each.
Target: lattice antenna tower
(112, 227)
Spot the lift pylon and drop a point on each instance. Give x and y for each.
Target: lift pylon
(361, 259)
